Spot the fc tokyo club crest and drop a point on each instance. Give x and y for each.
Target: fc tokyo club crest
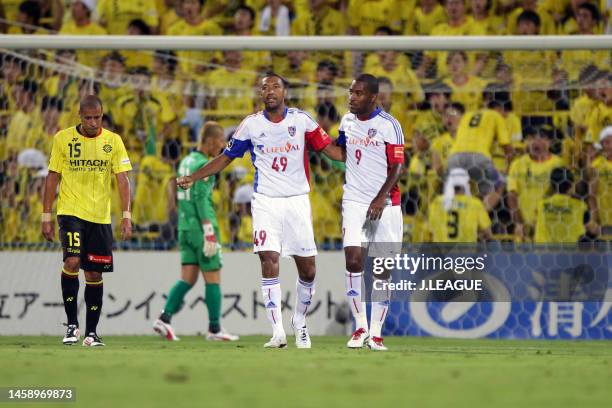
(371, 133)
(291, 130)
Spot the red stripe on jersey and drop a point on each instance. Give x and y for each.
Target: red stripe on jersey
(317, 139)
(99, 259)
(395, 155)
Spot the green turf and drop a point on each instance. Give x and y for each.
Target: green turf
(416, 372)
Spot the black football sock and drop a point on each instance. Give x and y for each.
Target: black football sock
(70, 291)
(93, 300)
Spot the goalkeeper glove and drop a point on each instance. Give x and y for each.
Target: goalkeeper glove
(210, 240)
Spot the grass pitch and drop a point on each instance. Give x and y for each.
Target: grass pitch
(145, 371)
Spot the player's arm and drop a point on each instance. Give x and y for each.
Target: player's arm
(335, 152)
(205, 213)
(378, 203)
(214, 166)
(123, 185)
(47, 227)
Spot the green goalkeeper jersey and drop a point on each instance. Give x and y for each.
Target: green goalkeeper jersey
(195, 205)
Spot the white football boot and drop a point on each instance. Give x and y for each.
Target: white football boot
(358, 338)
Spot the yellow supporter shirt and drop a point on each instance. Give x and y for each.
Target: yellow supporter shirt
(513, 123)
(420, 23)
(20, 128)
(603, 170)
(441, 145)
(234, 94)
(559, 220)
(478, 130)
(492, 25)
(573, 61)
(168, 18)
(407, 89)
(468, 94)
(118, 14)
(151, 197)
(530, 180)
(599, 118)
(330, 22)
(366, 16)
(467, 28)
(11, 9)
(86, 165)
(85, 57)
(581, 109)
(461, 222)
(190, 60)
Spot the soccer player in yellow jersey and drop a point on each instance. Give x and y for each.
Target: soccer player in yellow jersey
(82, 160)
(529, 179)
(600, 197)
(560, 218)
(456, 216)
(477, 132)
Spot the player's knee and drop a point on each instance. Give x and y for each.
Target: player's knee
(308, 273)
(353, 264)
(93, 276)
(72, 264)
(269, 265)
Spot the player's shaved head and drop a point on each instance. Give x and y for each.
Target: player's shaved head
(212, 138)
(89, 102)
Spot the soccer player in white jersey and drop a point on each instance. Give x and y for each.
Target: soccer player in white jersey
(278, 138)
(374, 152)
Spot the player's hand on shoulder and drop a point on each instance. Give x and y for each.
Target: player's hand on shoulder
(184, 182)
(126, 229)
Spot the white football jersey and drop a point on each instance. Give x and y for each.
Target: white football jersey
(372, 145)
(278, 150)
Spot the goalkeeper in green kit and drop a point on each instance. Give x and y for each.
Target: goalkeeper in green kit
(198, 240)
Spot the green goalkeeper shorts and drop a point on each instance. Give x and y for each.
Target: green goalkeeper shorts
(190, 243)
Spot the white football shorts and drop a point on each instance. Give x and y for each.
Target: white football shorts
(283, 225)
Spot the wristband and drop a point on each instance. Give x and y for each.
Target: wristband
(127, 214)
(45, 217)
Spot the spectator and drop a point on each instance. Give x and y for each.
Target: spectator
(529, 180)
(560, 218)
(113, 85)
(483, 16)
(577, 21)
(115, 16)
(547, 23)
(28, 19)
(193, 23)
(386, 98)
(467, 89)
(430, 120)
(426, 16)
(135, 58)
(244, 21)
(170, 14)
(275, 19)
(365, 16)
(442, 144)
(82, 24)
(600, 197)
(601, 116)
(26, 117)
(297, 68)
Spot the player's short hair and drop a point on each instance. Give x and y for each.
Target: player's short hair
(90, 101)
(591, 8)
(248, 10)
(210, 129)
(370, 81)
(141, 26)
(51, 102)
(31, 9)
(271, 74)
(529, 17)
(561, 180)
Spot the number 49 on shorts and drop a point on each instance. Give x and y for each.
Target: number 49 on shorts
(259, 237)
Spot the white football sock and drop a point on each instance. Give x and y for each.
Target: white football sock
(271, 291)
(380, 307)
(305, 291)
(353, 293)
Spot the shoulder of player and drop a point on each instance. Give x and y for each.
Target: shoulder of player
(391, 124)
(300, 114)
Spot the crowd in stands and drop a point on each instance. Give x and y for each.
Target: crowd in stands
(542, 118)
